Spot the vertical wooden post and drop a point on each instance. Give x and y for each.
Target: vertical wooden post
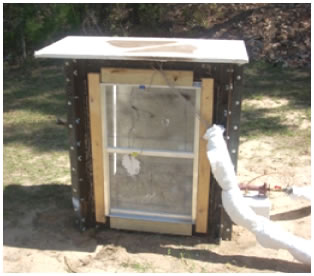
(76, 90)
(94, 98)
(206, 114)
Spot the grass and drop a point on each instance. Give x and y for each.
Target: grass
(36, 163)
(275, 93)
(35, 148)
(138, 267)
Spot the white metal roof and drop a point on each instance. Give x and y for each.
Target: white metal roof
(159, 49)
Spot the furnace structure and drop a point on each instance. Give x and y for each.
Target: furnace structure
(137, 112)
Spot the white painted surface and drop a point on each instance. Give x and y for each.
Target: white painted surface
(301, 192)
(260, 205)
(159, 49)
(131, 164)
(76, 204)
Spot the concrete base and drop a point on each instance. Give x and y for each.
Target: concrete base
(261, 205)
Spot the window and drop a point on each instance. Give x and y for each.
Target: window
(151, 137)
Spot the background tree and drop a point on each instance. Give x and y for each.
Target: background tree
(278, 33)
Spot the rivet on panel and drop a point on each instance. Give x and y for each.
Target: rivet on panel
(78, 143)
(67, 63)
(233, 151)
(79, 158)
(71, 148)
(235, 127)
(229, 112)
(81, 179)
(77, 121)
(70, 126)
(73, 169)
(237, 102)
(228, 137)
(229, 87)
(67, 79)
(238, 77)
(75, 72)
(69, 103)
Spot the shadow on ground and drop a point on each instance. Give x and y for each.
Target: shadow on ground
(265, 80)
(43, 136)
(33, 98)
(41, 217)
(38, 88)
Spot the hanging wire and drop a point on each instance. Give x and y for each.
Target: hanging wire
(178, 92)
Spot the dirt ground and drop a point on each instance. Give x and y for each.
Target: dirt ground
(40, 235)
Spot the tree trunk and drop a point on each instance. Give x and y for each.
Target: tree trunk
(23, 45)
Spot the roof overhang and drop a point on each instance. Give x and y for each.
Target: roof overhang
(154, 49)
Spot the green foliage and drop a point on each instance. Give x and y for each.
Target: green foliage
(149, 14)
(282, 40)
(35, 25)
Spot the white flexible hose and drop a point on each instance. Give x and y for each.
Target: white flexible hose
(268, 234)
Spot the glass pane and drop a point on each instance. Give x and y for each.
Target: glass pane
(151, 184)
(151, 118)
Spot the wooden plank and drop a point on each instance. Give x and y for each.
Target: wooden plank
(206, 113)
(151, 226)
(95, 111)
(78, 133)
(72, 129)
(146, 77)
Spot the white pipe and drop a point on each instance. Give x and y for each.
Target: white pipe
(268, 234)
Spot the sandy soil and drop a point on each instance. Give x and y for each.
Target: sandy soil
(44, 238)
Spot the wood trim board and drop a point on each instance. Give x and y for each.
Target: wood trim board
(206, 113)
(95, 110)
(146, 77)
(151, 226)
